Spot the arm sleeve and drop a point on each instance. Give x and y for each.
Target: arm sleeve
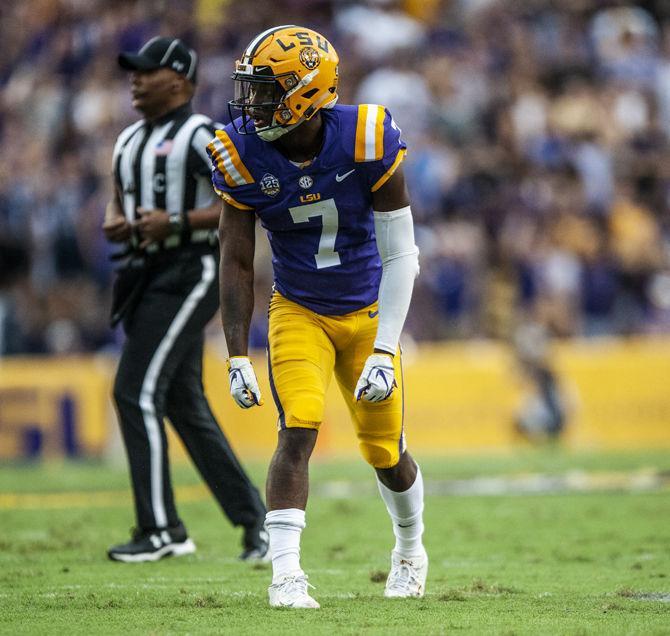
(400, 266)
(379, 145)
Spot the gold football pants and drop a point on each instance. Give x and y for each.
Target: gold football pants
(305, 349)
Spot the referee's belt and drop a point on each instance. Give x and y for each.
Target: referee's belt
(130, 256)
(175, 240)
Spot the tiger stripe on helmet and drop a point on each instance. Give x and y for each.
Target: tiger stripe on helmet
(228, 160)
(369, 133)
(250, 51)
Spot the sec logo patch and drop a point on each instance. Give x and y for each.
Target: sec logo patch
(306, 182)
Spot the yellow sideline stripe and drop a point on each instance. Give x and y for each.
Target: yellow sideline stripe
(389, 173)
(100, 499)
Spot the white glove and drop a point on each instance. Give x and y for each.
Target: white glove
(243, 382)
(377, 380)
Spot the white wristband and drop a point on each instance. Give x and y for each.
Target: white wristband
(400, 266)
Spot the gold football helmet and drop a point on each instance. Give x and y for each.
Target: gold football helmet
(285, 76)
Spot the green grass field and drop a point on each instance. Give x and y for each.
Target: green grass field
(583, 549)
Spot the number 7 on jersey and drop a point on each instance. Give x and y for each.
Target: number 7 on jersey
(327, 210)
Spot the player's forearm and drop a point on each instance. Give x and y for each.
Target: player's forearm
(237, 302)
(236, 281)
(236, 331)
(236, 288)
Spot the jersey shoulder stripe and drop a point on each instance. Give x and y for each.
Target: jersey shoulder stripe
(228, 160)
(369, 133)
(229, 199)
(389, 173)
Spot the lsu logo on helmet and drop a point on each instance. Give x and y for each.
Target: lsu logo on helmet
(309, 58)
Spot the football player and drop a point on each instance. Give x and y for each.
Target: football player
(326, 182)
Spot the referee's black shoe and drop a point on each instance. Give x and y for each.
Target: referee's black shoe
(152, 545)
(256, 543)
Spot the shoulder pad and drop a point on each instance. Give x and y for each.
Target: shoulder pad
(369, 133)
(228, 161)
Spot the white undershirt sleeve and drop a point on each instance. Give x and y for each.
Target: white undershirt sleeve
(400, 266)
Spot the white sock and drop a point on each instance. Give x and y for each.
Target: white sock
(406, 511)
(284, 528)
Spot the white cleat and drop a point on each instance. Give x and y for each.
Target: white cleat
(407, 577)
(291, 591)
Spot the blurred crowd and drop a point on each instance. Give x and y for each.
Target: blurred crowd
(538, 168)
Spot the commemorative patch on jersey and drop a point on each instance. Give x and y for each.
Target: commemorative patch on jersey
(270, 185)
(306, 182)
(309, 57)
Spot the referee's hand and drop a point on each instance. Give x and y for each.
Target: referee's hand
(115, 226)
(153, 226)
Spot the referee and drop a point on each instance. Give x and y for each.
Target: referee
(165, 213)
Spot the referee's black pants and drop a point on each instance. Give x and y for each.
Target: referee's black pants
(160, 374)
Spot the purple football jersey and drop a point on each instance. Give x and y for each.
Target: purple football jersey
(319, 217)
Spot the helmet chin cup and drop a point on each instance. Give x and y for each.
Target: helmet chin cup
(274, 133)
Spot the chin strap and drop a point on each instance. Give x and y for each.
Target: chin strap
(303, 82)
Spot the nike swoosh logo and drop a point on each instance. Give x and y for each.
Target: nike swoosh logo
(342, 177)
(372, 314)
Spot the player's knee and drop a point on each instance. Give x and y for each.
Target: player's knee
(294, 446)
(380, 452)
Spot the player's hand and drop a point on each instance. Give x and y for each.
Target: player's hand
(153, 226)
(243, 382)
(377, 380)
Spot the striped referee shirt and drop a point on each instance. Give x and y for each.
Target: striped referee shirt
(163, 164)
